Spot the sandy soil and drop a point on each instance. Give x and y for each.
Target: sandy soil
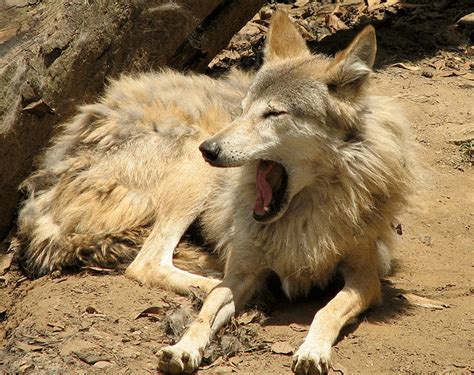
(90, 322)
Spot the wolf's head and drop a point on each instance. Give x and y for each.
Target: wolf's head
(299, 112)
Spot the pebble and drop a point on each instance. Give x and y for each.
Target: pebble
(103, 364)
(427, 74)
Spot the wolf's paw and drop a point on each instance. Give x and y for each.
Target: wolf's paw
(311, 359)
(178, 360)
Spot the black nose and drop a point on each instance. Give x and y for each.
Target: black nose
(210, 150)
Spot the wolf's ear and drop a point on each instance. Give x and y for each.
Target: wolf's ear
(353, 65)
(284, 39)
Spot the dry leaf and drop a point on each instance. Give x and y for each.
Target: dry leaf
(56, 327)
(235, 361)
(5, 262)
(150, 311)
(372, 4)
(262, 28)
(25, 366)
(60, 280)
(415, 300)
(334, 23)
(219, 361)
(298, 328)
(376, 4)
(452, 73)
(405, 66)
(438, 64)
(300, 3)
(39, 108)
(247, 317)
(90, 358)
(27, 347)
(282, 347)
(252, 29)
(469, 76)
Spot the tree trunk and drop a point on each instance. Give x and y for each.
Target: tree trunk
(55, 55)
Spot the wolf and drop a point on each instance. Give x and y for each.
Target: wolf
(294, 170)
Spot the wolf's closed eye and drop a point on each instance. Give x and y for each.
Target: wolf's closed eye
(274, 113)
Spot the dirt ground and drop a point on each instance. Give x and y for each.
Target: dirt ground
(96, 321)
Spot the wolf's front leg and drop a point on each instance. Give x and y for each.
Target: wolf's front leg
(361, 289)
(219, 306)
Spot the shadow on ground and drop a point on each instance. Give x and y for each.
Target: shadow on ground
(409, 34)
(302, 311)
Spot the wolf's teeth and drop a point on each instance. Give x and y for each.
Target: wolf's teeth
(266, 209)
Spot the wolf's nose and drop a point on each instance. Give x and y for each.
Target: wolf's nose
(210, 150)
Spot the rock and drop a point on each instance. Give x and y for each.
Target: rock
(129, 353)
(427, 74)
(282, 347)
(71, 346)
(103, 364)
(223, 370)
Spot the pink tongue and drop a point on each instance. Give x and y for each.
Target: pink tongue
(265, 193)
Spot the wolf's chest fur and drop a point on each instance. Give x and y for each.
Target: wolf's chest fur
(299, 247)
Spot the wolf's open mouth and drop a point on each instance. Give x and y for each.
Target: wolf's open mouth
(272, 183)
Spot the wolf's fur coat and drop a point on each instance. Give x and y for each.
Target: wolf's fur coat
(125, 177)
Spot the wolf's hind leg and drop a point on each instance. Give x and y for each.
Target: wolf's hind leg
(154, 263)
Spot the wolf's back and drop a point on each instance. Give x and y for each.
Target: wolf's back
(103, 182)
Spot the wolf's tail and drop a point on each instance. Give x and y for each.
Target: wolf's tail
(112, 250)
(39, 256)
(198, 260)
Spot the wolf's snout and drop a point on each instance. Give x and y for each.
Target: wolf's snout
(210, 150)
